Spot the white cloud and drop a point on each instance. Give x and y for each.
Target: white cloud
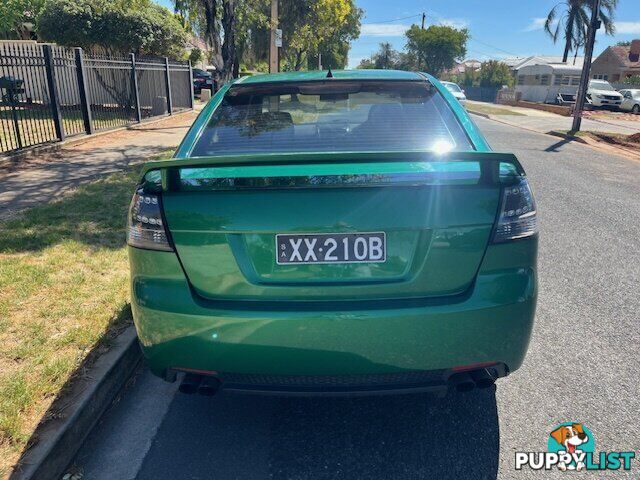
(536, 24)
(399, 29)
(628, 28)
(384, 29)
(454, 22)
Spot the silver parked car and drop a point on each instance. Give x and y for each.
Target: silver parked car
(630, 100)
(456, 91)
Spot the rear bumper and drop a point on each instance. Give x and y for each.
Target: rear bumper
(491, 323)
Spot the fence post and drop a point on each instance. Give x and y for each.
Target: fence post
(168, 78)
(134, 87)
(85, 105)
(191, 97)
(53, 91)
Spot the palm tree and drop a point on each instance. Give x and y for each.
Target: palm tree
(571, 18)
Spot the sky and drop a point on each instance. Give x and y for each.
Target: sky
(498, 28)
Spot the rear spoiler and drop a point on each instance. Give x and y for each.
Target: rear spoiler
(169, 169)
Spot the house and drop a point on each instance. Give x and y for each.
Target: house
(543, 82)
(516, 63)
(462, 67)
(617, 63)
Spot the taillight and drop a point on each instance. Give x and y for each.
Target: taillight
(146, 228)
(518, 218)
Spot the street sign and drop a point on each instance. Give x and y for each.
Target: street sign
(278, 37)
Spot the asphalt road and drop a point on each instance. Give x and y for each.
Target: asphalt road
(582, 366)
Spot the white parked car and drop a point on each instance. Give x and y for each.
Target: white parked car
(602, 94)
(630, 100)
(457, 92)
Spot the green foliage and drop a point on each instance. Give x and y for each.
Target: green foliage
(495, 74)
(632, 80)
(14, 14)
(195, 56)
(437, 47)
(626, 43)
(117, 27)
(388, 58)
(310, 27)
(367, 64)
(571, 18)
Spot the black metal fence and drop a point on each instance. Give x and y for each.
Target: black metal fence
(50, 92)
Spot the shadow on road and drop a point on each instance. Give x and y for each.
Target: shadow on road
(555, 148)
(413, 436)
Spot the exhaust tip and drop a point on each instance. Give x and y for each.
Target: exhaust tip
(209, 386)
(482, 378)
(190, 383)
(462, 382)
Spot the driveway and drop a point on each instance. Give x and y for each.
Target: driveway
(582, 366)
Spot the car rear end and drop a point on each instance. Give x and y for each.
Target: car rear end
(334, 236)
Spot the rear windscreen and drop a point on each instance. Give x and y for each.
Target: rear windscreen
(332, 116)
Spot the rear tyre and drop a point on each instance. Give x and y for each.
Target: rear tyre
(636, 109)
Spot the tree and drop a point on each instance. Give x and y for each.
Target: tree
(146, 29)
(310, 27)
(385, 58)
(195, 56)
(495, 74)
(571, 18)
(437, 47)
(228, 26)
(16, 16)
(367, 64)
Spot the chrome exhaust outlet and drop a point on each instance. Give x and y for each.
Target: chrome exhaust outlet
(482, 378)
(190, 383)
(209, 386)
(462, 382)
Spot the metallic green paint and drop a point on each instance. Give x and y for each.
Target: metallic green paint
(491, 322)
(446, 297)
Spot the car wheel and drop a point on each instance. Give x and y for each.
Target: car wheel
(636, 109)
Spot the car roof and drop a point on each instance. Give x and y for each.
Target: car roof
(315, 75)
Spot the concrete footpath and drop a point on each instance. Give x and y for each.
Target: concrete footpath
(43, 176)
(544, 122)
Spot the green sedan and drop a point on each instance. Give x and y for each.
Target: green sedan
(333, 233)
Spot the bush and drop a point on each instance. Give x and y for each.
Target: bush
(148, 30)
(495, 74)
(633, 80)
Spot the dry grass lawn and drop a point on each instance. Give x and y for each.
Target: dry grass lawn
(63, 291)
(488, 109)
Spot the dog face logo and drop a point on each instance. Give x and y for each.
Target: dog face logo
(570, 437)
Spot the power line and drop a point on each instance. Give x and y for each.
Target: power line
(394, 20)
(492, 46)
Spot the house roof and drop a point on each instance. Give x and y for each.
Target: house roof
(548, 59)
(363, 74)
(622, 52)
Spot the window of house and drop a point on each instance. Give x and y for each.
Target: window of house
(566, 80)
(544, 80)
(600, 76)
(557, 79)
(520, 79)
(575, 80)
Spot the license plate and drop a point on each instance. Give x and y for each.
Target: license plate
(331, 248)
